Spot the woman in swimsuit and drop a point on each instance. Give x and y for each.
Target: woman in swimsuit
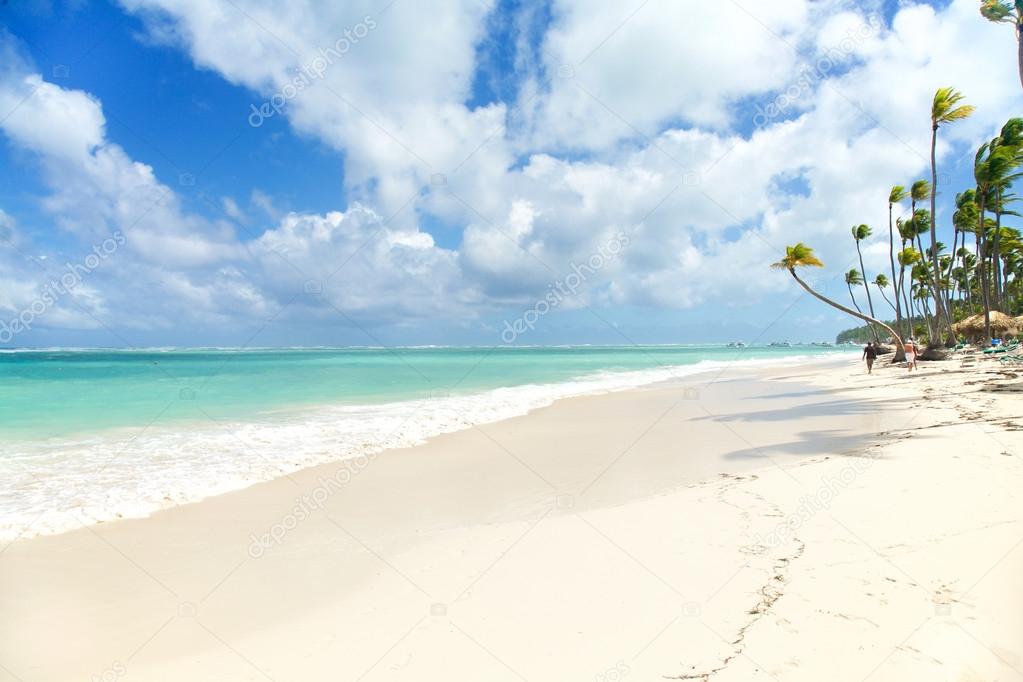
(911, 354)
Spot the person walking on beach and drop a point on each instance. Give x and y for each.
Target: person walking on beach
(911, 353)
(870, 354)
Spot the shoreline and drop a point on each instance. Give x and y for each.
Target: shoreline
(405, 423)
(743, 531)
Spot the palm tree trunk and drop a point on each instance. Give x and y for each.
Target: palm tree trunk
(906, 300)
(941, 310)
(951, 267)
(866, 287)
(891, 257)
(952, 256)
(966, 280)
(996, 256)
(927, 319)
(886, 298)
(926, 314)
(981, 261)
(935, 263)
(1019, 49)
(857, 305)
(848, 311)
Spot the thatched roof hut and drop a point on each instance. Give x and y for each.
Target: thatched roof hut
(973, 327)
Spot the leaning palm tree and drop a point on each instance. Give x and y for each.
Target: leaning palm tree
(799, 256)
(945, 109)
(859, 233)
(1004, 12)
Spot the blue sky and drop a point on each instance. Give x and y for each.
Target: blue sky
(429, 190)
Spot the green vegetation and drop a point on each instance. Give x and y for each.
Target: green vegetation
(864, 333)
(932, 287)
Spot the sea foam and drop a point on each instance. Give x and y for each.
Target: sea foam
(51, 487)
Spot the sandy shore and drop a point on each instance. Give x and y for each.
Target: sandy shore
(791, 524)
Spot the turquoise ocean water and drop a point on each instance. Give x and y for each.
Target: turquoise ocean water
(98, 434)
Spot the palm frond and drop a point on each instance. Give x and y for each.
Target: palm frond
(920, 190)
(998, 11)
(946, 106)
(798, 255)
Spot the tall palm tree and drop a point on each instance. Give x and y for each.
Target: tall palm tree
(964, 220)
(916, 227)
(997, 206)
(1004, 12)
(853, 278)
(921, 278)
(799, 256)
(921, 293)
(897, 194)
(881, 282)
(945, 109)
(969, 264)
(918, 191)
(907, 258)
(859, 233)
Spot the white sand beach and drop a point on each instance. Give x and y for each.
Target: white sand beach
(800, 523)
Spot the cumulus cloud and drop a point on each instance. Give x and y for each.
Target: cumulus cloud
(648, 124)
(171, 266)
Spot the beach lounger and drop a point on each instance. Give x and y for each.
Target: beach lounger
(999, 350)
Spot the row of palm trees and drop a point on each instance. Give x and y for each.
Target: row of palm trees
(927, 282)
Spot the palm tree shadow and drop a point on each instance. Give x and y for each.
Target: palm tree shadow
(831, 408)
(833, 442)
(809, 393)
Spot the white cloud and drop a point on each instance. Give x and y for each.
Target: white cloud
(619, 74)
(665, 153)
